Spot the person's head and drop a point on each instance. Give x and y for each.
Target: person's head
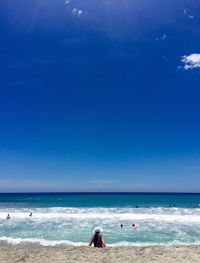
(133, 225)
(121, 225)
(97, 231)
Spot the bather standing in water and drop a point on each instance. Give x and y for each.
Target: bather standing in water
(8, 217)
(134, 227)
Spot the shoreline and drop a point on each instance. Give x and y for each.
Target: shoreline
(32, 253)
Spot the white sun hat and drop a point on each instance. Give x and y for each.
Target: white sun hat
(97, 230)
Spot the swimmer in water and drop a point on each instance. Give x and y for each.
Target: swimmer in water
(134, 227)
(31, 214)
(8, 217)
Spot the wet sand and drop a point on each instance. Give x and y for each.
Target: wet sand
(68, 254)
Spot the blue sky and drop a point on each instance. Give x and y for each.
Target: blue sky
(100, 95)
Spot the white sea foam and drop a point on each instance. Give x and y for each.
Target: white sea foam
(73, 226)
(149, 244)
(44, 242)
(175, 215)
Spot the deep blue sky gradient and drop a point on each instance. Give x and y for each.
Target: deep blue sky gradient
(98, 101)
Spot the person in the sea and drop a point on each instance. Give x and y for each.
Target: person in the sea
(134, 227)
(8, 217)
(121, 225)
(97, 239)
(30, 214)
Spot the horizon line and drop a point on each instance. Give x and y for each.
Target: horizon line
(98, 192)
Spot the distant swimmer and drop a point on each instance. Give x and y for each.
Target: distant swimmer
(8, 217)
(31, 214)
(134, 227)
(121, 225)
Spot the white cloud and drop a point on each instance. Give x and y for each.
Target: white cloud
(186, 13)
(191, 61)
(163, 37)
(74, 11)
(77, 12)
(191, 17)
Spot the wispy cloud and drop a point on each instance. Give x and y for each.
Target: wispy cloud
(191, 61)
(102, 182)
(163, 37)
(4, 182)
(75, 11)
(194, 167)
(187, 13)
(191, 17)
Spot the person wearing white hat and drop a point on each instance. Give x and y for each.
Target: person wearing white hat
(97, 238)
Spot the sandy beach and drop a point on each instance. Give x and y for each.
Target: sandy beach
(36, 253)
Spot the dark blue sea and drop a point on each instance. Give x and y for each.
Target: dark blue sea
(69, 218)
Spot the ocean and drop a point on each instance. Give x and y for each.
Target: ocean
(69, 218)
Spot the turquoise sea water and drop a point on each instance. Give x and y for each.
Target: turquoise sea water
(162, 219)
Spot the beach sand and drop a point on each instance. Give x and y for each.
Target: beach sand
(68, 254)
